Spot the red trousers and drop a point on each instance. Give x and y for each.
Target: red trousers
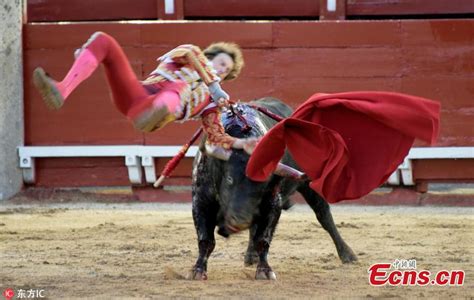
(129, 95)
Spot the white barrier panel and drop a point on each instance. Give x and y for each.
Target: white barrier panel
(142, 157)
(136, 157)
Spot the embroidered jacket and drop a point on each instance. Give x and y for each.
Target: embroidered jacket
(188, 63)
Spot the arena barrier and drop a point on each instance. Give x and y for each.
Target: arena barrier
(141, 159)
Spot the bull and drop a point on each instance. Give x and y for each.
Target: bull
(224, 197)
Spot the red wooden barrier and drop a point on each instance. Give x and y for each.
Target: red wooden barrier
(407, 7)
(107, 10)
(87, 10)
(251, 8)
(289, 60)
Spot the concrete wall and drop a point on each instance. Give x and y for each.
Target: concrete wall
(11, 96)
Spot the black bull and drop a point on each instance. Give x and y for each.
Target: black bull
(224, 197)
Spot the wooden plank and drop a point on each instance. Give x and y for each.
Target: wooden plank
(82, 176)
(407, 7)
(83, 122)
(297, 90)
(443, 169)
(454, 92)
(335, 62)
(438, 33)
(457, 127)
(249, 88)
(258, 63)
(182, 170)
(251, 8)
(172, 134)
(84, 162)
(336, 34)
(171, 34)
(90, 10)
(149, 55)
(286, 34)
(99, 171)
(442, 61)
(59, 36)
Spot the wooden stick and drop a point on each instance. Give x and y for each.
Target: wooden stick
(267, 112)
(171, 165)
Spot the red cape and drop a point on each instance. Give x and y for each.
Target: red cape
(347, 143)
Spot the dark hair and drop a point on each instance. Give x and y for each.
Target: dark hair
(233, 50)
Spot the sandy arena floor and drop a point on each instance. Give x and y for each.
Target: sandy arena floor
(146, 250)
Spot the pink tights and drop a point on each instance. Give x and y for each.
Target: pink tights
(128, 93)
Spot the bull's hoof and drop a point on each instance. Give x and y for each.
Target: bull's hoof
(251, 258)
(197, 274)
(347, 256)
(265, 273)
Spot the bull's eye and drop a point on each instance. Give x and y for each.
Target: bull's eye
(229, 180)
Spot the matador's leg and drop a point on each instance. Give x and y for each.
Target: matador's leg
(129, 96)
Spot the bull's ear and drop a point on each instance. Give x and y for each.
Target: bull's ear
(217, 152)
(287, 171)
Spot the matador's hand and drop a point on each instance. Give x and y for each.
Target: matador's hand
(223, 103)
(217, 92)
(247, 144)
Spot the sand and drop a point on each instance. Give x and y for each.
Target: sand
(78, 250)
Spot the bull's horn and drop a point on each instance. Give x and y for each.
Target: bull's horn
(287, 171)
(217, 152)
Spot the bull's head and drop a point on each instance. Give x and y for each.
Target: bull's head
(241, 196)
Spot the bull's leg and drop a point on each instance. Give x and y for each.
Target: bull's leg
(265, 225)
(251, 255)
(205, 219)
(324, 216)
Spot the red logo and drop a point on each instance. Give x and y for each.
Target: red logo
(8, 294)
(383, 274)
